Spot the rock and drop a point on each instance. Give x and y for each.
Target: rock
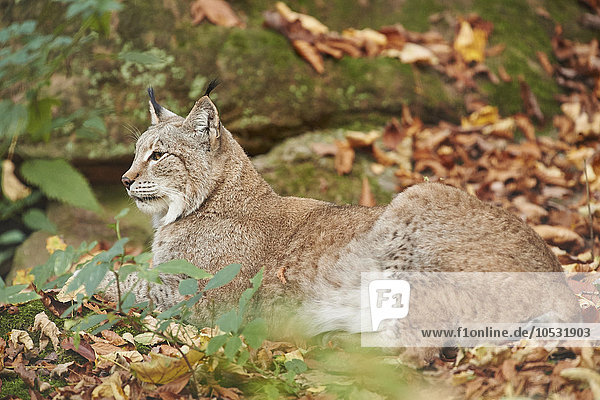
(293, 169)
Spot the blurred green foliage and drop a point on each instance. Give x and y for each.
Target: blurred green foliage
(29, 58)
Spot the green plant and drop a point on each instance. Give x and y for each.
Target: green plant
(238, 334)
(29, 57)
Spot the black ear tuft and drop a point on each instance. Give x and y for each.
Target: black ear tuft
(157, 107)
(211, 86)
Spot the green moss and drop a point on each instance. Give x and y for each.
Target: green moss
(24, 319)
(14, 386)
(305, 179)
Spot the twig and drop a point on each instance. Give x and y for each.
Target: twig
(589, 207)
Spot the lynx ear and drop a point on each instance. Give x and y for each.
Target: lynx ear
(157, 112)
(203, 121)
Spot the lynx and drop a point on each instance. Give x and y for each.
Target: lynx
(211, 207)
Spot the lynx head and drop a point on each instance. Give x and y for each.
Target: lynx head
(173, 170)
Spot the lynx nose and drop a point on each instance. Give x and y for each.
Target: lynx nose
(126, 181)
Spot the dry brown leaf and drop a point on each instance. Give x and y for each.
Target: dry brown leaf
(377, 168)
(392, 134)
(113, 337)
(586, 375)
(18, 336)
(545, 63)
(532, 212)
(218, 12)
(412, 53)
(308, 22)
(366, 196)
(324, 48)
(161, 369)
(361, 139)
(366, 34)
(344, 158)
(310, 54)
(175, 386)
(503, 74)
(551, 175)
(558, 235)
(84, 349)
(12, 187)
(104, 348)
(524, 124)
(345, 46)
(48, 329)
(532, 107)
(110, 388)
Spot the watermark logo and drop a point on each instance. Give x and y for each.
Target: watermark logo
(389, 299)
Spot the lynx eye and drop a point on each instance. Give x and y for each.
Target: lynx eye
(155, 156)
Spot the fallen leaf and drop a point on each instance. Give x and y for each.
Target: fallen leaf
(484, 116)
(470, 43)
(57, 308)
(111, 387)
(377, 169)
(586, 375)
(61, 369)
(84, 349)
(119, 357)
(532, 108)
(65, 296)
(48, 331)
(176, 385)
(28, 376)
(104, 348)
(558, 235)
(366, 196)
(148, 338)
(113, 337)
(545, 63)
(344, 157)
(54, 243)
(18, 336)
(310, 54)
(412, 53)
(161, 369)
(308, 22)
(23, 277)
(218, 12)
(524, 124)
(503, 74)
(392, 134)
(2, 353)
(227, 393)
(531, 211)
(361, 139)
(12, 187)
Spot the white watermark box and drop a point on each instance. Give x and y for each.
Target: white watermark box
(447, 309)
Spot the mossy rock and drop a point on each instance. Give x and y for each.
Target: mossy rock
(293, 169)
(269, 93)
